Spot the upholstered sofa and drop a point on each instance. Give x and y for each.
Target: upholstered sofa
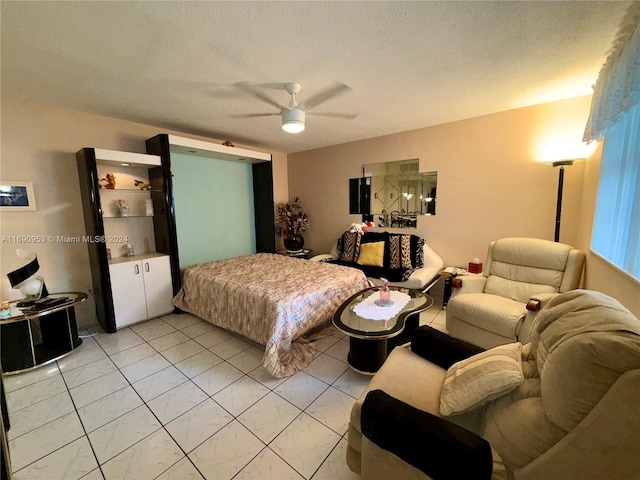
(404, 259)
(571, 414)
(520, 275)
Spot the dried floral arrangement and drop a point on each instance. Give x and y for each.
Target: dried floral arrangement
(291, 218)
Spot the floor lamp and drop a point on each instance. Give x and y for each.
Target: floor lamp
(561, 164)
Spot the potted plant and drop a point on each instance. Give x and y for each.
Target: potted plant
(291, 221)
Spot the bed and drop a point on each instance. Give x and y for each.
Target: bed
(277, 301)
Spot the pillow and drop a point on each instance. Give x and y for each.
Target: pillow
(400, 251)
(439, 348)
(348, 247)
(417, 251)
(482, 378)
(373, 237)
(371, 254)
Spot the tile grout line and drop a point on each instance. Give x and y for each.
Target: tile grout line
(186, 455)
(162, 426)
(120, 416)
(68, 391)
(75, 439)
(210, 397)
(320, 466)
(234, 417)
(86, 435)
(271, 390)
(46, 423)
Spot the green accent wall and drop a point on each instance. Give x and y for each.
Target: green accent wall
(213, 208)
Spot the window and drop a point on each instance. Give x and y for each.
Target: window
(616, 224)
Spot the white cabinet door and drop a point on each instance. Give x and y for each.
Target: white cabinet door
(127, 287)
(157, 285)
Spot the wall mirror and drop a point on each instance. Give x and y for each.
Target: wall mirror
(399, 193)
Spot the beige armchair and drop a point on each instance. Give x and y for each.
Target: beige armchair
(574, 415)
(520, 276)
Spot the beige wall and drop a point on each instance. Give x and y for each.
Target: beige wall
(38, 145)
(491, 184)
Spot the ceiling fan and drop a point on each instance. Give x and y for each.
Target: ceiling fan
(293, 115)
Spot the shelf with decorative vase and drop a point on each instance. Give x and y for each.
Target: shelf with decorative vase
(131, 191)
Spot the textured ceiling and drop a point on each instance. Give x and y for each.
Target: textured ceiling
(410, 64)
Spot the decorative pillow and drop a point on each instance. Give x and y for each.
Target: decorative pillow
(439, 348)
(348, 247)
(371, 254)
(417, 251)
(482, 378)
(373, 237)
(400, 251)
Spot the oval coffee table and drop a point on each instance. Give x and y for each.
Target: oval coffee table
(370, 341)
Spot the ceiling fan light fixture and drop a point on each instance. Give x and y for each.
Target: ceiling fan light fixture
(293, 120)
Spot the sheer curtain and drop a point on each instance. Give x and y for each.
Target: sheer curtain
(618, 86)
(615, 115)
(616, 224)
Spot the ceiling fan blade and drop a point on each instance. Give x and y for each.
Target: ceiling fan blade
(196, 87)
(255, 115)
(258, 94)
(274, 86)
(346, 116)
(333, 91)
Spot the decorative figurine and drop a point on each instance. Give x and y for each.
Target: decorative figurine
(109, 181)
(385, 293)
(128, 250)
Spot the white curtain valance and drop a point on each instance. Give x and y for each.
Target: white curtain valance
(618, 86)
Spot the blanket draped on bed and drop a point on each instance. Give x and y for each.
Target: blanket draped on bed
(273, 299)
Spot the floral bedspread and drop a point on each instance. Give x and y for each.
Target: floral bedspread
(275, 300)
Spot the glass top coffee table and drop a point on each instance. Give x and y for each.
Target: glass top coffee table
(370, 341)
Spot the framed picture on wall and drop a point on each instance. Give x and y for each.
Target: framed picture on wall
(17, 196)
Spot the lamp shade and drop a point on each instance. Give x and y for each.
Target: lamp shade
(32, 287)
(23, 273)
(563, 163)
(24, 277)
(293, 120)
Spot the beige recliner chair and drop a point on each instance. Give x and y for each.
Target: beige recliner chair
(574, 416)
(520, 274)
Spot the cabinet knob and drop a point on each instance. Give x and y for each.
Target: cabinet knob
(146, 266)
(137, 269)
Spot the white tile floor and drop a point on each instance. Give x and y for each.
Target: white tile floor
(177, 398)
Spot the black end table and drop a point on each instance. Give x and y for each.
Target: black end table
(31, 337)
